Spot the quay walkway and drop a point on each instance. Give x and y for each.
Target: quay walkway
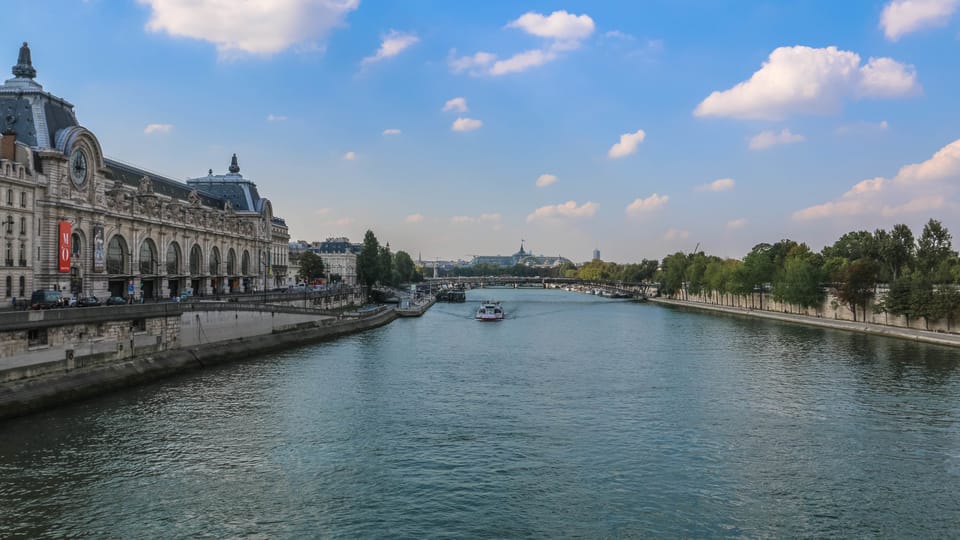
(925, 336)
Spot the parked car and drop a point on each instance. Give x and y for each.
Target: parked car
(116, 301)
(46, 299)
(88, 301)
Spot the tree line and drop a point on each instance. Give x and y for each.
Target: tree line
(921, 273)
(376, 265)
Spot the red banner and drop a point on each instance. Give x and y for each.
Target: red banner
(63, 253)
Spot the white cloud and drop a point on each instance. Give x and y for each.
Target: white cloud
(721, 184)
(391, 131)
(393, 44)
(462, 219)
(918, 187)
(627, 145)
(276, 118)
(343, 222)
(809, 80)
(563, 32)
(522, 61)
(545, 180)
(466, 124)
(350, 156)
(676, 234)
(263, 27)
(734, 224)
(559, 25)
(901, 17)
(414, 218)
(321, 211)
(158, 128)
(569, 209)
(457, 104)
(641, 206)
(766, 139)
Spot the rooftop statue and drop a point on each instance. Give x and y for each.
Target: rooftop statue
(24, 67)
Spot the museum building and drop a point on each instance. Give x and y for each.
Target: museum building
(76, 221)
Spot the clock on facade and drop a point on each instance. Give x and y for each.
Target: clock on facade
(78, 167)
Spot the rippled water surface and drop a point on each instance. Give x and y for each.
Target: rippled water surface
(576, 417)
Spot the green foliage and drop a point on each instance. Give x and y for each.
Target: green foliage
(672, 272)
(368, 261)
(311, 267)
(800, 282)
(404, 268)
(858, 285)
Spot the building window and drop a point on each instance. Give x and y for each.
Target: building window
(23, 254)
(23, 287)
(116, 255)
(9, 197)
(9, 258)
(9, 286)
(23, 225)
(75, 247)
(173, 259)
(23, 199)
(9, 223)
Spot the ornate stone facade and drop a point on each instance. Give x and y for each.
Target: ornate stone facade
(102, 227)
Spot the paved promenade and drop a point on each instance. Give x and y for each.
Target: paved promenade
(939, 338)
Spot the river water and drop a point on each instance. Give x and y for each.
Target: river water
(576, 417)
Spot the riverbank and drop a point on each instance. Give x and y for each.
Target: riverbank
(27, 395)
(938, 338)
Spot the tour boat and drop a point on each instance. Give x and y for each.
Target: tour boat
(490, 311)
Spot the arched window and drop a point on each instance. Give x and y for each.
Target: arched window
(116, 255)
(9, 286)
(214, 261)
(75, 245)
(231, 262)
(196, 261)
(148, 258)
(23, 286)
(173, 259)
(245, 263)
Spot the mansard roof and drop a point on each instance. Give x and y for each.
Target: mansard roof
(241, 193)
(131, 176)
(26, 110)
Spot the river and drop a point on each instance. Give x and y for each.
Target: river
(578, 416)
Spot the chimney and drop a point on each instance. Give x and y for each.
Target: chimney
(8, 147)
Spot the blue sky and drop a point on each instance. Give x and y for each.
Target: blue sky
(458, 128)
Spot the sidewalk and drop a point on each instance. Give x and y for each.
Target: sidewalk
(939, 338)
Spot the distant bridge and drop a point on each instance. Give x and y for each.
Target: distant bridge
(634, 290)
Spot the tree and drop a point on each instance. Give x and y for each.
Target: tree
(404, 268)
(368, 261)
(385, 264)
(758, 268)
(934, 249)
(895, 249)
(800, 283)
(311, 267)
(674, 268)
(859, 283)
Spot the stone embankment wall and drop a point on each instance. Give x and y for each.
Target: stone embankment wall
(36, 386)
(831, 308)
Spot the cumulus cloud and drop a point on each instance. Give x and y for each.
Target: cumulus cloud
(809, 80)
(676, 234)
(734, 224)
(350, 156)
(457, 104)
(545, 180)
(766, 139)
(569, 209)
(916, 188)
(466, 124)
(900, 17)
(276, 118)
(642, 206)
(721, 184)
(413, 218)
(158, 128)
(628, 144)
(262, 27)
(562, 31)
(392, 44)
(391, 131)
